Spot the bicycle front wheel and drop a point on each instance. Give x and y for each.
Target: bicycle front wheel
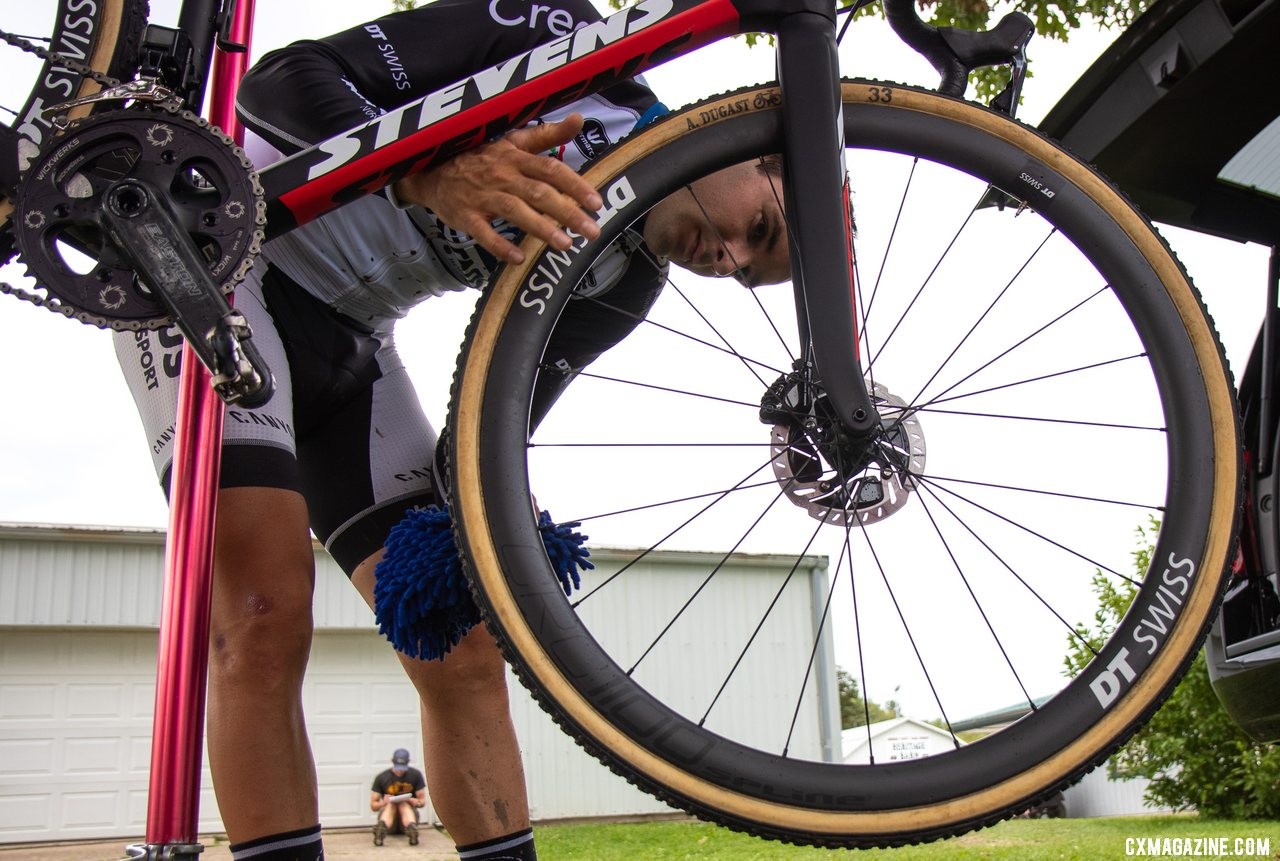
(102, 35)
(1048, 383)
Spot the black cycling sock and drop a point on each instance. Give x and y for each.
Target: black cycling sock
(301, 845)
(517, 846)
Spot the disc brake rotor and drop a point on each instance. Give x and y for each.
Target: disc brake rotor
(213, 193)
(865, 491)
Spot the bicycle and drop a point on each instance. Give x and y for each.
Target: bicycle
(873, 436)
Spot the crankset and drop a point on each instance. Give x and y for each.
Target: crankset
(834, 477)
(136, 218)
(71, 253)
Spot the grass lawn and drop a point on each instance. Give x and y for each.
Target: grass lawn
(1016, 840)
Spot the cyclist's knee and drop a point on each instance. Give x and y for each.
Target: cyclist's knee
(264, 646)
(473, 670)
(260, 632)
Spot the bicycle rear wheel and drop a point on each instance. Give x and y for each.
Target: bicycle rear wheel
(1048, 382)
(103, 35)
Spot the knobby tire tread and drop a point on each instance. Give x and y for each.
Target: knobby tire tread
(1218, 534)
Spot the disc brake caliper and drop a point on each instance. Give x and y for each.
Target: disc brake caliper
(834, 477)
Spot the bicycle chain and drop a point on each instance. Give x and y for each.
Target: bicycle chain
(61, 59)
(58, 300)
(49, 299)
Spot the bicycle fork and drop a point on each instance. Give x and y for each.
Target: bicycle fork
(816, 198)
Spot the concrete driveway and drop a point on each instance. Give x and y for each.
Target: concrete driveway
(344, 845)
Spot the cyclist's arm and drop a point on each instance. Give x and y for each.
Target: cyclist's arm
(510, 179)
(312, 90)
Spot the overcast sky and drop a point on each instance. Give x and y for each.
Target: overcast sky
(71, 447)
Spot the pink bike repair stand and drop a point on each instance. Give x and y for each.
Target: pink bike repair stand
(173, 803)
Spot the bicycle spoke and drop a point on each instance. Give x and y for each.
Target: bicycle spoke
(1031, 415)
(906, 628)
(701, 586)
(1070, 628)
(1036, 534)
(759, 626)
(1037, 379)
(1081, 423)
(669, 389)
(750, 363)
(717, 497)
(986, 619)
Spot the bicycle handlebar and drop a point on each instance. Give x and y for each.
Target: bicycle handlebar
(954, 53)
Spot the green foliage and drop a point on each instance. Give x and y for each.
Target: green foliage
(1054, 19)
(1015, 840)
(854, 710)
(1194, 756)
(1113, 599)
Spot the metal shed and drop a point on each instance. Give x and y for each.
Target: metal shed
(78, 615)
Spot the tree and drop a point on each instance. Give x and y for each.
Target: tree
(1192, 753)
(854, 710)
(1054, 19)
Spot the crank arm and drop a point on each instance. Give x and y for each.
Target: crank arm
(136, 218)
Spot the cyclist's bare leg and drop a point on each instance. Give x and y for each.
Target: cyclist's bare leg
(260, 638)
(405, 813)
(474, 772)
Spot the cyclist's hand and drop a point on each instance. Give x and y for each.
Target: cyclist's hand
(510, 178)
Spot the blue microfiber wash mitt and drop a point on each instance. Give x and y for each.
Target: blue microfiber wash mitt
(421, 598)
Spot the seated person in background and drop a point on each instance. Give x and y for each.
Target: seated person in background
(395, 796)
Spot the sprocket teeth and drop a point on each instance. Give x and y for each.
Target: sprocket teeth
(156, 127)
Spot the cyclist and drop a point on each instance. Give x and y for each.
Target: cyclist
(343, 448)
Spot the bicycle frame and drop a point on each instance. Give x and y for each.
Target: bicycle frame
(422, 134)
(438, 126)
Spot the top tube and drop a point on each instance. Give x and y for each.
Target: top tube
(512, 93)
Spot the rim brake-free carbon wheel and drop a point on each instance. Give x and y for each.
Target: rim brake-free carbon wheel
(1047, 384)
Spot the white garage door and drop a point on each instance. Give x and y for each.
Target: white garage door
(75, 730)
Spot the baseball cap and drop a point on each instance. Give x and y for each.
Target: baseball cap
(400, 757)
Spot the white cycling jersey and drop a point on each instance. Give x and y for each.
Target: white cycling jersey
(372, 260)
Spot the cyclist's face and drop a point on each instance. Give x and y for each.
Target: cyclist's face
(727, 223)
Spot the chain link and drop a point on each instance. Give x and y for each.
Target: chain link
(82, 69)
(215, 135)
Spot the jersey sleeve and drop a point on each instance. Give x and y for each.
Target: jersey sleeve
(314, 89)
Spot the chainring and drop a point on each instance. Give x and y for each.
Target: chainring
(208, 183)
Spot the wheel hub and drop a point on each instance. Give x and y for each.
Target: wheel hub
(839, 480)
